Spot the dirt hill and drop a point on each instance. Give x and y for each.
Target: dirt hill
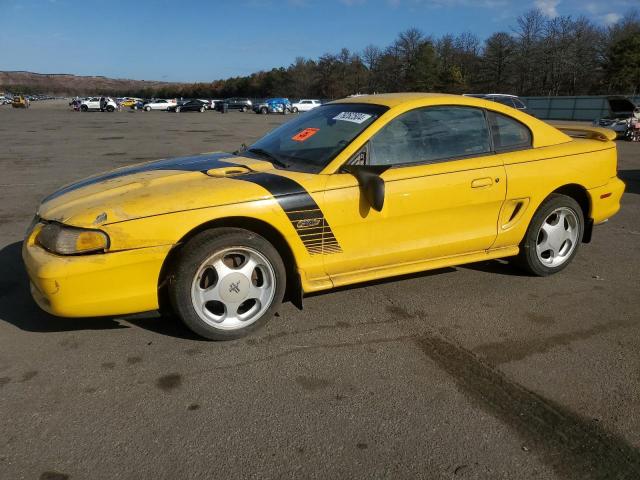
(67, 84)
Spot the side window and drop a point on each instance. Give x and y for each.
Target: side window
(508, 133)
(431, 135)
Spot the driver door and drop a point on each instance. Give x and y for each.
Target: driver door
(443, 193)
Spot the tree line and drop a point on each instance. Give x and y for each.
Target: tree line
(537, 56)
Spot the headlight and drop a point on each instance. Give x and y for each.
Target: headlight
(64, 240)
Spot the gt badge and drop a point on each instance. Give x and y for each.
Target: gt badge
(308, 222)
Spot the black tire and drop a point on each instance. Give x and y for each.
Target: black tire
(110, 108)
(264, 110)
(84, 108)
(147, 109)
(294, 109)
(528, 257)
(202, 109)
(177, 110)
(243, 109)
(189, 260)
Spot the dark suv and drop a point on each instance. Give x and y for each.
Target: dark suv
(236, 103)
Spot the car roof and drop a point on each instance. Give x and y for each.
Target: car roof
(395, 99)
(545, 134)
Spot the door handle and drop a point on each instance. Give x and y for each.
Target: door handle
(482, 182)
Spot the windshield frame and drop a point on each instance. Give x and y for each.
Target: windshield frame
(301, 166)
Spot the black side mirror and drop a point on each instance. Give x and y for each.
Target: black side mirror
(371, 184)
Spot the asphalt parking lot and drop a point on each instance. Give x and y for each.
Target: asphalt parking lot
(475, 372)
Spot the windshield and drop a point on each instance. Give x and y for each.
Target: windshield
(311, 141)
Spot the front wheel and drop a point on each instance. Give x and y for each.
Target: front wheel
(243, 109)
(110, 108)
(553, 236)
(264, 110)
(202, 109)
(226, 283)
(84, 108)
(147, 109)
(294, 109)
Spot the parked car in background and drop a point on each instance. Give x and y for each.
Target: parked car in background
(273, 105)
(94, 103)
(129, 102)
(139, 104)
(621, 112)
(189, 106)
(20, 102)
(208, 103)
(159, 105)
(305, 105)
(235, 103)
(503, 98)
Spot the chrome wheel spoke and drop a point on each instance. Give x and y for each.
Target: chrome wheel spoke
(258, 293)
(248, 267)
(221, 268)
(211, 294)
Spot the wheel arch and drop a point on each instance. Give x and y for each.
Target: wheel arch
(581, 196)
(293, 290)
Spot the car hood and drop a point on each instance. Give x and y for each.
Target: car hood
(154, 188)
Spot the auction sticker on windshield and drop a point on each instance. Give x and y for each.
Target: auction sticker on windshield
(304, 134)
(355, 117)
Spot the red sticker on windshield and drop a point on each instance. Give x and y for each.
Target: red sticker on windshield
(305, 134)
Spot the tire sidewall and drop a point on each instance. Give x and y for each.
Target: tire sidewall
(528, 255)
(189, 260)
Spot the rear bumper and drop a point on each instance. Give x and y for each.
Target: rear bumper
(94, 285)
(605, 200)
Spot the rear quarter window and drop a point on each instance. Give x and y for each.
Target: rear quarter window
(508, 133)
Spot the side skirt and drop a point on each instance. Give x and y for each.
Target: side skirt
(412, 267)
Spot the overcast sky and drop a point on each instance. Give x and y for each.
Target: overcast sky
(203, 40)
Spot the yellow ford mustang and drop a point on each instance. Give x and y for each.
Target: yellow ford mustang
(355, 190)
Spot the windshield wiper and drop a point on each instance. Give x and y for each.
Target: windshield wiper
(269, 156)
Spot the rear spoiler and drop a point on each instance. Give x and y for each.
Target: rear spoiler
(582, 131)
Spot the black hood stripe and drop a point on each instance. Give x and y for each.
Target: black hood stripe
(196, 163)
(301, 209)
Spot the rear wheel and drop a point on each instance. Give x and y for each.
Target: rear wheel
(226, 283)
(243, 109)
(202, 109)
(553, 236)
(177, 109)
(294, 109)
(264, 110)
(110, 108)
